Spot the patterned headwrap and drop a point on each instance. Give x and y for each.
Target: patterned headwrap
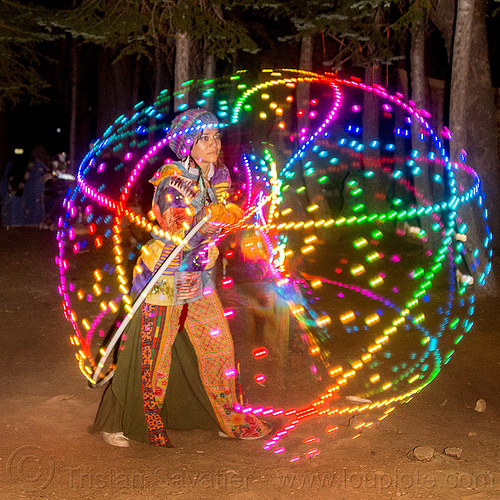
(183, 140)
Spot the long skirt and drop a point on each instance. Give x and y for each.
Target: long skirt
(175, 370)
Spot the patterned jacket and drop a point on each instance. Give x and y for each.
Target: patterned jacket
(183, 194)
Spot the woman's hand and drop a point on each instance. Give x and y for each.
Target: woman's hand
(235, 211)
(224, 214)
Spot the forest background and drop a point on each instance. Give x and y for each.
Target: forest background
(68, 68)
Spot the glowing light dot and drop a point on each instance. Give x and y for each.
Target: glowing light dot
(337, 370)
(370, 320)
(323, 321)
(259, 352)
(357, 270)
(226, 283)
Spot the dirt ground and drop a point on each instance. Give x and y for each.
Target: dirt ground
(46, 408)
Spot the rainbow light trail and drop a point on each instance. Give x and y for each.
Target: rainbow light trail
(283, 180)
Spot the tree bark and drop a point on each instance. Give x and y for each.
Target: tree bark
(73, 160)
(304, 89)
(158, 70)
(375, 187)
(115, 89)
(181, 69)
(460, 75)
(482, 143)
(314, 191)
(136, 80)
(443, 17)
(422, 181)
(209, 74)
(461, 92)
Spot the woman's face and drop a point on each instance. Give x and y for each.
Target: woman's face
(206, 148)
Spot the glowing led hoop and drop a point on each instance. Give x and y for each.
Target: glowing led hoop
(142, 296)
(274, 227)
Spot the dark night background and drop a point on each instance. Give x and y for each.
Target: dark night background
(27, 125)
(46, 449)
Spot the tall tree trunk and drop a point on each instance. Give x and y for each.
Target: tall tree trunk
(460, 75)
(158, 71)
(419, 95)
(209, 74)
(74, 103)
(314, 191)
(115, 90)
(470, 214)
(209, 67)
(73, 160)
(442, 16)
(375, 187)
(482, 134)
(136, 80)
(181, 69)
(304, 89)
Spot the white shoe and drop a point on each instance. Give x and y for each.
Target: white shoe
(412, 230)
(464, 279)
(115, 439)
(247, 438)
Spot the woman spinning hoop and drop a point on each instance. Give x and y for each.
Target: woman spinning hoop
(176, 368)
